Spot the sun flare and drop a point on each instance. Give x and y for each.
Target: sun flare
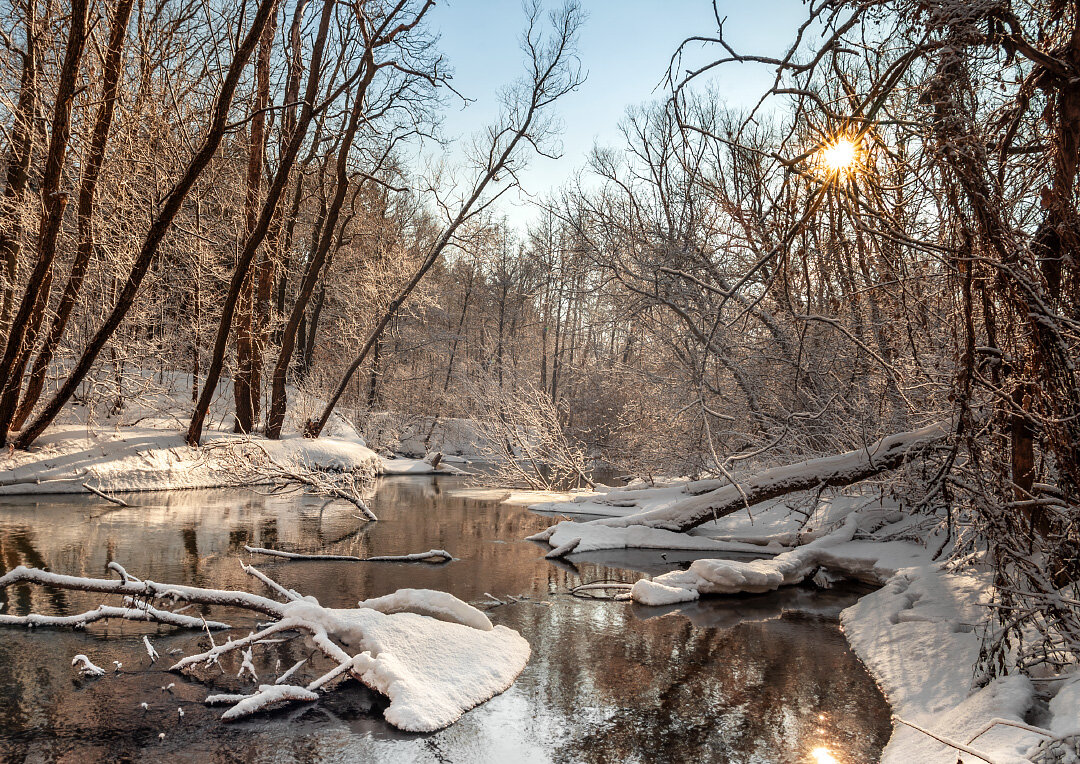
(839, 157)
(823, 756)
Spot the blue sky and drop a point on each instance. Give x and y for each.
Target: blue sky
(625, 47)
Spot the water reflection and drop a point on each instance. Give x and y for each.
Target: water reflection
(766, 678)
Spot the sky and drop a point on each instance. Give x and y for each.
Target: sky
(625, 48)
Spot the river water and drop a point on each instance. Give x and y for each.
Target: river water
(763, 678)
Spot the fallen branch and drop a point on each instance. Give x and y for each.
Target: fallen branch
(113, 499)
(431, 654)
(432, 556)
(107, 612)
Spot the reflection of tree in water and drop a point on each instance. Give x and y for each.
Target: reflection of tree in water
(738, 694)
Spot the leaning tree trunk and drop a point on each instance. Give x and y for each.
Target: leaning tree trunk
(88, 187)
(828, 471)
(23, 332)
(158, 228)
(275, 418)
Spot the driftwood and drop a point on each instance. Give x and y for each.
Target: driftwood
(432, 556)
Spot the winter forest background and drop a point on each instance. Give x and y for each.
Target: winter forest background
(217, 202)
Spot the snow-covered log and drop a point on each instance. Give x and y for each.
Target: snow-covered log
(833, 471)
(735, 577)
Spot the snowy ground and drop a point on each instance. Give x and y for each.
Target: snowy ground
(143, 449)
(918, 634)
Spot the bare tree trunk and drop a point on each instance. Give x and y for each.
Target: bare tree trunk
(169, 208)
(245, 381)
(278, 400)
(281, 177)
(88, 187)
(22, 135)
(23, 332)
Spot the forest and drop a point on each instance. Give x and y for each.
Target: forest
(215, 232)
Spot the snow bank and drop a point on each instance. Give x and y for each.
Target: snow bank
(152, 459)
(917, 636)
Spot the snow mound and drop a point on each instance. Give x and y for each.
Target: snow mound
(432, 671)
(440, 605)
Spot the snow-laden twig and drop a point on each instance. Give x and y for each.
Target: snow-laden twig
(299, 556)
(288, 594)
(946, 741)
(292, 670)
(247, 665)
(85, 666)
(120, 571)
(561, 551)
(268, 696)
(150, 649)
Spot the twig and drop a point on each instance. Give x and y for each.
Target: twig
(105, 496)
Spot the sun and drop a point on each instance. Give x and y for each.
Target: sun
(839, 157)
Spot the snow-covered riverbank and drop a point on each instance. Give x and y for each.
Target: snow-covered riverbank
(68, 459)
(919, 634)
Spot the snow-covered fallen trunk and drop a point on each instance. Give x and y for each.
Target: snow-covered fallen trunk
(734, 576)
(829, 471)
(431, 654)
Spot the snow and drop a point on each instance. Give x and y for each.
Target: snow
(917, 637)
(431, 670)
(150, 459)
(1065, 709)
(441, 605)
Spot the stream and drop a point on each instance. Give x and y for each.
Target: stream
(761, 678)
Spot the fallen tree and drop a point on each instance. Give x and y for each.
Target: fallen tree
(431, 654)
(832, 471)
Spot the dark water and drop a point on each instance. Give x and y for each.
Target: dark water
(765, 678)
